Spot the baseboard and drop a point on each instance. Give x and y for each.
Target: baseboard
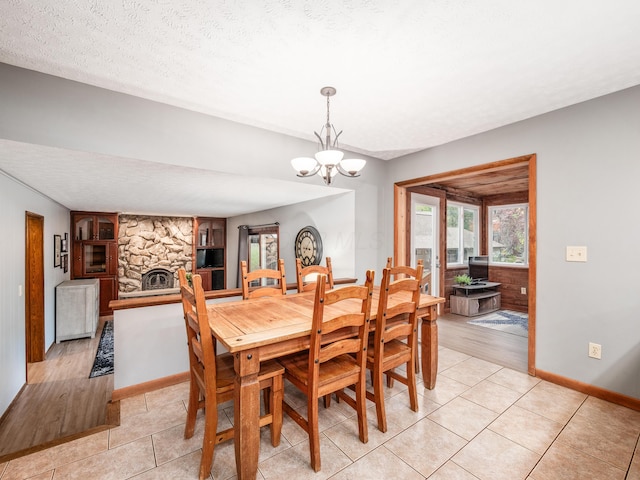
(601, 393)
(149, 386)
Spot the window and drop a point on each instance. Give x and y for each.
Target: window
(462, 233)
(508, 234)
(263, 249)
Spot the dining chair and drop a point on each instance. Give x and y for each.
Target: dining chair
(302, 273)
(393, 342)
(404, 271)
(263, 276)
(212, 377)
(335, 359)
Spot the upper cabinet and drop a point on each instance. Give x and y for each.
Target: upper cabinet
(209, 252)
(99, 226)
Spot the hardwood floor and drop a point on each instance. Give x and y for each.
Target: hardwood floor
(60, 401)
(494, 346)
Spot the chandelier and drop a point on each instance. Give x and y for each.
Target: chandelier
(328, 161)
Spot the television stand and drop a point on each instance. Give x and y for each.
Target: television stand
(475, 299)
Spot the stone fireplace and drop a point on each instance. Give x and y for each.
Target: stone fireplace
(150, 252)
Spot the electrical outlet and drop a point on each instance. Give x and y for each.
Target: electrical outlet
(523, 290)
(595, 350)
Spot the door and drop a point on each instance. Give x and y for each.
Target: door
(425, 212)
(34, 287)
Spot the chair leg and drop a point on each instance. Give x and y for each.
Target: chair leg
(209, 441)
(411, 383)
(378, 391)
(390, 380)
(314, 432)
(416, 349)
(192, 409)
(361, 409)
(275, 408)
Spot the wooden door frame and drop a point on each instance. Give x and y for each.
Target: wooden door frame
(34, 289)
(401, 225)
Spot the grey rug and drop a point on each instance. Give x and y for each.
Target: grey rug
(508, 321)
(103, 363)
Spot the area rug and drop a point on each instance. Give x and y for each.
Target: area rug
(508, 321)
(103, 364)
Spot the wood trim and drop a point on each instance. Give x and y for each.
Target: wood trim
(149, 386)
(400, 213)
(150, 301)
(533, 262)
(601, 393)
(466, 172)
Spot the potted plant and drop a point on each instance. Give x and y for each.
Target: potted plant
(463, 279)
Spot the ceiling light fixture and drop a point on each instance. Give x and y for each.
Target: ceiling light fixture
(328, 161)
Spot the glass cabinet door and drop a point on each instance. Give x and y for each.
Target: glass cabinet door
(210, 233)
(105, 229)
(94, 227)
(84, 228)
(95, 259)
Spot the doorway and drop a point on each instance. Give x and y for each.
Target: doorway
(34, 288)
(502, 177)
(425, 244)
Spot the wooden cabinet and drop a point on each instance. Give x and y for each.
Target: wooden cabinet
(95, 252)
(471, 300)
(209, 259)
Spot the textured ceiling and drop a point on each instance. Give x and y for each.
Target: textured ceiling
(409, 74)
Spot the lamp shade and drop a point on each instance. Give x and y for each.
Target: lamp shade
(303, 165)
(353, 165)
(329, 157)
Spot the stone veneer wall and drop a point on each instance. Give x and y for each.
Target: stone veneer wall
(146, 242)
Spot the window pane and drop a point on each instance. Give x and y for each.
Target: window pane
(462, 233)
(509, 234)
(263, 251)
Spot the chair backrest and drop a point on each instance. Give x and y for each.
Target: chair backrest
(304, 284)
(401, 271)
(349, 315)
(261, 274)
(399, 300)
(202, 356)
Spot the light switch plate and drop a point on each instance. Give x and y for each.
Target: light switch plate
(576, 254)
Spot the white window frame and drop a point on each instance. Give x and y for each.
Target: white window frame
(490, 235)
(476, 247)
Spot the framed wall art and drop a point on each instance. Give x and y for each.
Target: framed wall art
(57, 249)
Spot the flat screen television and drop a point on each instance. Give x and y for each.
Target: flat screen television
(479, 268)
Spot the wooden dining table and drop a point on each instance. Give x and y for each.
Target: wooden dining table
(270, 327)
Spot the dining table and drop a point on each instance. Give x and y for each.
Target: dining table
(270, 327)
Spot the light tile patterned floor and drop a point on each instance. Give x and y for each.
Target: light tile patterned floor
(481, 421)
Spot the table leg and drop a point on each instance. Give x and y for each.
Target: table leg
(429, 353)
(247, 414)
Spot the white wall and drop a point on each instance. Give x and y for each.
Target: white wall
(15, 201)
(588, 173)
(334, 217)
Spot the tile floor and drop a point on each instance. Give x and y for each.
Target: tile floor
(482, 421)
